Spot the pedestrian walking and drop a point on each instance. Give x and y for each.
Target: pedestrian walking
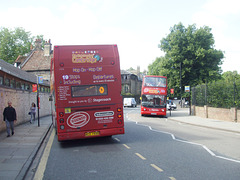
(9, 116)
(33, 112)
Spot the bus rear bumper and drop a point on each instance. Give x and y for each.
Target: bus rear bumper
(153, 111)
(90, 134)
(153, 114)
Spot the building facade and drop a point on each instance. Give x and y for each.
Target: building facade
(38, 60)
(16, 86)
(131, 85)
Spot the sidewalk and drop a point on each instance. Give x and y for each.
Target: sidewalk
(18, 151)
(182, 115)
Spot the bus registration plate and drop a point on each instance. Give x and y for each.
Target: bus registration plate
(96, 133)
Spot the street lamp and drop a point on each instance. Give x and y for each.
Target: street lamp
(181, 83)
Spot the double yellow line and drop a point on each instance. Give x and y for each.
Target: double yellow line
(43, 163)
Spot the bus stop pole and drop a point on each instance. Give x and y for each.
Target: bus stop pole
(38, 102)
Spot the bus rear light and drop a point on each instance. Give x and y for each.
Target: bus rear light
(61, 64)
(61, 114)
(62, 127)
(119, 109)
(61, 120)
(113, 62)
(119, 115)
(120, 121)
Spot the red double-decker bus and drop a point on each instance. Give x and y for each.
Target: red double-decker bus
(154, 94)
(86, 88)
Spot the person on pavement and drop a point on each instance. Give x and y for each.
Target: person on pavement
(9, 116)
(33, 112)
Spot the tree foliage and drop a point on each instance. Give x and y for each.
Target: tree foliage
(191, 52)
(14, 43)
(224, 93)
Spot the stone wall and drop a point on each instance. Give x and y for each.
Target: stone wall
(199, 111)
(21, 101)
(232, 115)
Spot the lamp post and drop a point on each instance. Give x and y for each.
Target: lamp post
(39, 81)
(181, 83)
(38, 107)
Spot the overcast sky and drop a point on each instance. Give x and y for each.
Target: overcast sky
(136, 26)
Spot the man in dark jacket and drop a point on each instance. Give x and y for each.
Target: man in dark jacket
(9, 116)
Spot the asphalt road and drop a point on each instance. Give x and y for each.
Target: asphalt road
(222, 143)
(153, 148)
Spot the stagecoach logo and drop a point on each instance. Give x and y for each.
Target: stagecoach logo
(78, 119)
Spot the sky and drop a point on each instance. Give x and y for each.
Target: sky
(136, 26)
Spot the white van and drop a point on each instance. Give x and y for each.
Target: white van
(129, 102)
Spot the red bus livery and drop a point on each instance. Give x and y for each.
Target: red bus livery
(154, 93)
(86, 87)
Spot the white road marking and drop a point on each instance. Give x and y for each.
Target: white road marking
(188, 142)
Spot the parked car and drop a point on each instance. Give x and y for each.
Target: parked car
(171, 105)
(186, 104)
(129, 102)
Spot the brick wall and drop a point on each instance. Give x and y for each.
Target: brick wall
(199, 111)
(21, 101)
(232, 115)
(219, 113)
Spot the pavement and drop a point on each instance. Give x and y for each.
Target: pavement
(182, 115)
(18, 151)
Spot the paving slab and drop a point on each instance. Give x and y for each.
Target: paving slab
(16, 151)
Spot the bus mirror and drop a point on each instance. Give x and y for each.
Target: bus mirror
(50, 98)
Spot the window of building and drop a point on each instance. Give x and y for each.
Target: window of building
(27, 87)
(1, 80)
(126, 88)
(30, 87)
(18, 85)
(6, 82)
(22, 86)
(12, 84)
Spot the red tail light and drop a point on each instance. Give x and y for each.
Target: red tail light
(119, 109)
(61, 114)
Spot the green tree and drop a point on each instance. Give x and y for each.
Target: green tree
(189, 53)
(222, 93)
(14, 43)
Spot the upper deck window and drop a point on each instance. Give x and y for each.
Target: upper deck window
(155, 82)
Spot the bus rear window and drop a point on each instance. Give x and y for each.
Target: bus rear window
(89, 90)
